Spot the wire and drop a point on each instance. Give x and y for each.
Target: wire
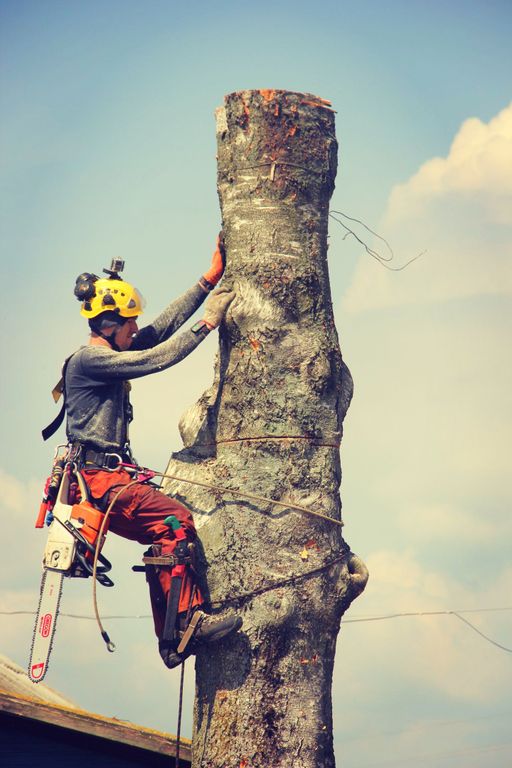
(489, 640)
(441, 613)
(349, 231)
(370, 251)
(354, 620)
(426, 613)
(345, 621)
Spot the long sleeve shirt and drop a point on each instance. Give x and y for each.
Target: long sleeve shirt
(96, 377)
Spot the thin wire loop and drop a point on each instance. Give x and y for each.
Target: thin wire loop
(370, 251)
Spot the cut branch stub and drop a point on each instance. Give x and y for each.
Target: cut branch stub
(271, 424)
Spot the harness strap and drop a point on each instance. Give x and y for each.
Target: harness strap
(169, 632)
(51, 429)
(161, 560)
(59, 389)
(101, 459)
(189, 632)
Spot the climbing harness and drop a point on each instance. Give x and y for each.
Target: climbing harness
(83, 529)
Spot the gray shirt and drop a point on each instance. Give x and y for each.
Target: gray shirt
(96, 378)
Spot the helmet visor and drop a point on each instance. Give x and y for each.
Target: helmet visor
(136, 302)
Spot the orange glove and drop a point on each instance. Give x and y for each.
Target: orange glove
(216, 270)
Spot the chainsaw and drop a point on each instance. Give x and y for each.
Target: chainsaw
(73, 544)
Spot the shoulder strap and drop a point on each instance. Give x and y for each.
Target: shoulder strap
(59, 389)
(51, 429)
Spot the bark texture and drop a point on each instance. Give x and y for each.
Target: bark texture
(271, 425)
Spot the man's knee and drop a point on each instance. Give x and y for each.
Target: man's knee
(184, 516)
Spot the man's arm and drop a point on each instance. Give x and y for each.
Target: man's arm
(179, 311)
(171, 319)
(104, 364)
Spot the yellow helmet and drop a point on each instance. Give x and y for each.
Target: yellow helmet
(108, 294)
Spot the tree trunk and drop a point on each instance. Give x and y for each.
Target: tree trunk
(271, 425)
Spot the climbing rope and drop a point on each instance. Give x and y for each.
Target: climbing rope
(110, 645)
(252, 496)
(180, 713)
(182, 683)
(149, 475)
(279, 583)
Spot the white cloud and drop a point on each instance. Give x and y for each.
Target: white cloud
(434, 654)
(426, 460)
(425, 451)
(458, 208)
(479, 163)
(428, 522)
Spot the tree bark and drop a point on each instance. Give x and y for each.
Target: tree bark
(271, 425)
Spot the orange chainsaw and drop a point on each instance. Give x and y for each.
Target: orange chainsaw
(73, 541)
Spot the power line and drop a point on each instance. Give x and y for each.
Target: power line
(354, 620)
(486, 637)
(345, 621)
(459, 610)
(457, 614)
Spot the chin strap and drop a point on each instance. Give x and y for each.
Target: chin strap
(96, 328)
(110, 339)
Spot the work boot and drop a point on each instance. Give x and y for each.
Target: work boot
(210, 628)
(204, 628)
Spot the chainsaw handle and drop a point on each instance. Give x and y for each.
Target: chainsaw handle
(101, 576)
(105, 566)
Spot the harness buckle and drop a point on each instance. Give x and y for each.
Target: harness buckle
(108, 463)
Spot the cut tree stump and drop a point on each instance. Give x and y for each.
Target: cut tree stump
(271, 425)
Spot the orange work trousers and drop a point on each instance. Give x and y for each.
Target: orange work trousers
(138, 514)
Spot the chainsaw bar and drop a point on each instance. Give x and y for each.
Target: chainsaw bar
(44, 628)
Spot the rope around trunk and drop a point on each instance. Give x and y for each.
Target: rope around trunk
(252, 496)
(221, 489)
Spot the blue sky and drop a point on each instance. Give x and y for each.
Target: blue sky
(108, 149)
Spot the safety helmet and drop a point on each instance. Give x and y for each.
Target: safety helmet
(108, 294)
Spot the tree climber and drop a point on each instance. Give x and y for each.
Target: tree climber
(96, 390)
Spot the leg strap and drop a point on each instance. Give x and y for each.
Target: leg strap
(168, 560)
(171, 614)
(190, 630)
